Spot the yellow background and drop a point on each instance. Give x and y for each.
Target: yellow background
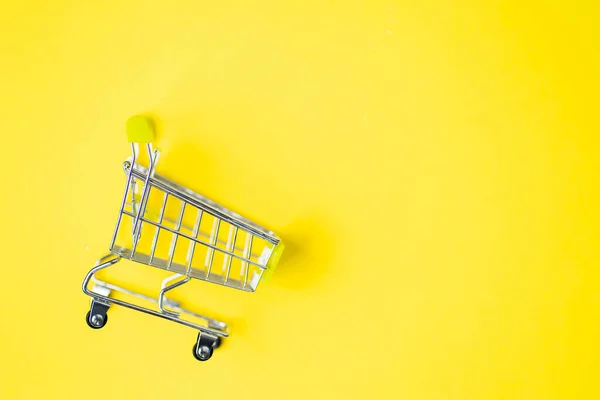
(432, 167)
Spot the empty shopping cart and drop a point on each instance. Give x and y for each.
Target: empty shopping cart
(168, 226)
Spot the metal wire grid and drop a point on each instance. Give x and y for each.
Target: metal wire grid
(203, 207)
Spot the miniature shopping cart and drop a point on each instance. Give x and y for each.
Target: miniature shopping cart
(165, 225)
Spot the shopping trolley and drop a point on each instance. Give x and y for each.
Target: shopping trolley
(168, 226)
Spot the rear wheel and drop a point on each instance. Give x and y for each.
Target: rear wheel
(205, 345)
(202, 353)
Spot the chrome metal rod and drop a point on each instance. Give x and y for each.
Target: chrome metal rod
(230, 247)
(111, 259)
(132, 191)
(104, 262)
(145, 191)
(165, 289)
(129, 176)
(246, 254)
(175, 236)
(190, 255)
(211, 251)
(160, 218)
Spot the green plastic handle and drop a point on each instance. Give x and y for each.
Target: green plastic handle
(140, 129)
(273, 261)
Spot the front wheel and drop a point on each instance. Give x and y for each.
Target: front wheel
(96, 321)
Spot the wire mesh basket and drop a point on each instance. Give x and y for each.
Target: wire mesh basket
(168, 226)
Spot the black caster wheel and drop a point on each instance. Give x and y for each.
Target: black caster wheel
(205, 345)
(202, 353)
(96, 318)
(96, 321)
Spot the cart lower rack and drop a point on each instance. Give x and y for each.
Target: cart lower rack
(168, 226)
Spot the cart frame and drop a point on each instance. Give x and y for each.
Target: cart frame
(209, 335)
